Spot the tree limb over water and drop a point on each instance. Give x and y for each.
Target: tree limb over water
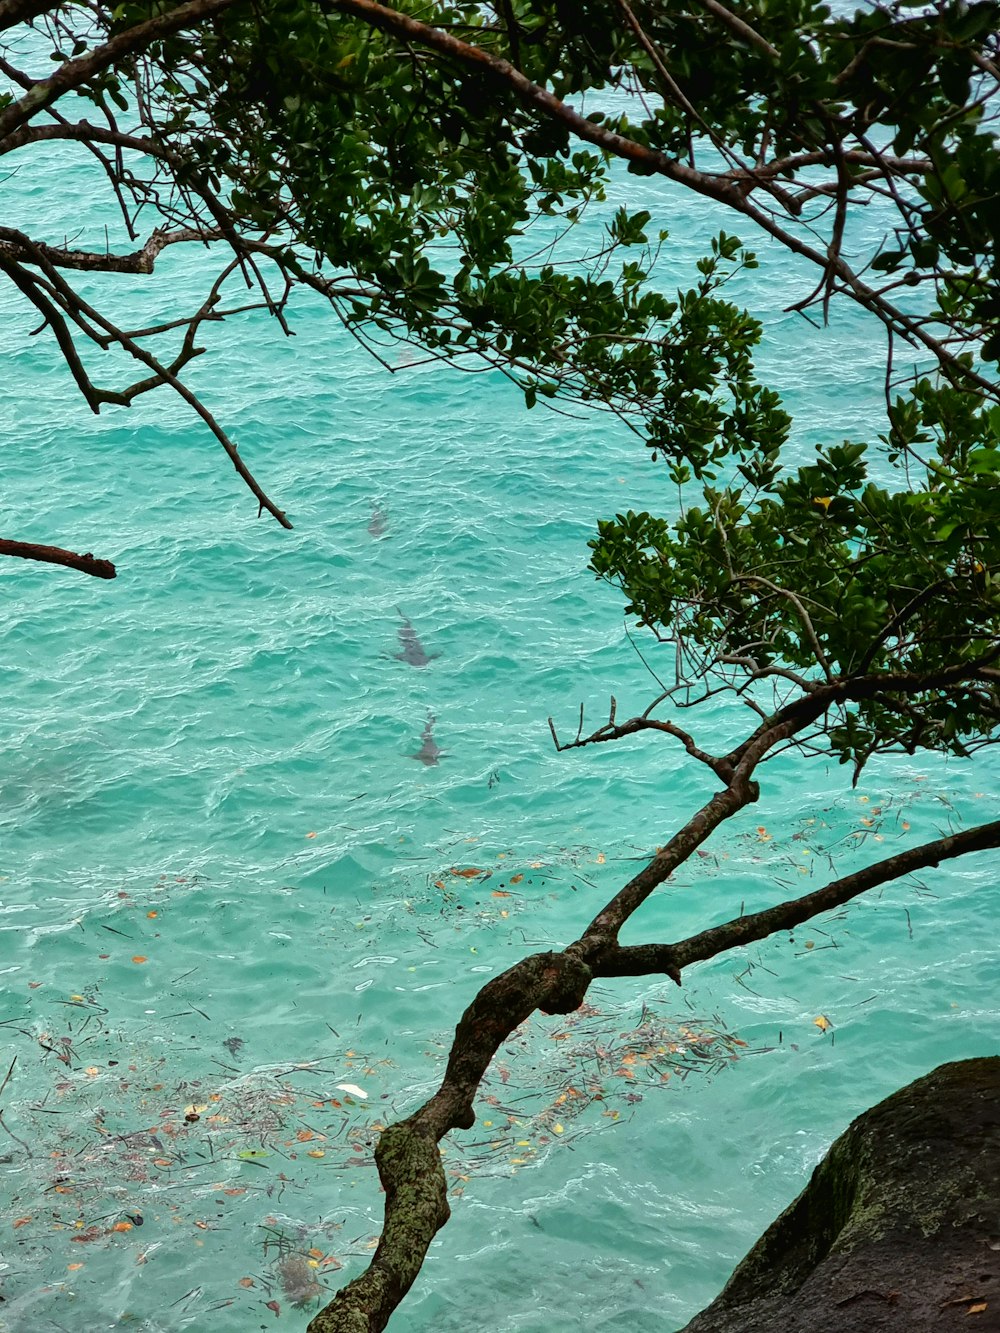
(56, 555)
(389, 163)
(426, 178)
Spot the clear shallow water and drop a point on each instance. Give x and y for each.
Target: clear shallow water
(206, 768)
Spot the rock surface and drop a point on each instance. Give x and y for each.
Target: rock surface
(898, 1231)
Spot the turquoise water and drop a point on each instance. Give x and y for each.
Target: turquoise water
(227, 886)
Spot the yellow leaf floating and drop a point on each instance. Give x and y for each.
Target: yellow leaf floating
(822, 1022)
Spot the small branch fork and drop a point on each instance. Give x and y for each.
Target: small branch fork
(613, 731)
(408, 1157)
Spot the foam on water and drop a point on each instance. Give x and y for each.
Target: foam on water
(206, 768)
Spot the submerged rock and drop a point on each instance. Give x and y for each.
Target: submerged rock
(898, 1231)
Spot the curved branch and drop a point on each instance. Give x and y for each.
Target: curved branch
(409, 1164)
(79, 308)
(57, 555)
(804, 618)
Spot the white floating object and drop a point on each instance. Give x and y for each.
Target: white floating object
(353, 1090)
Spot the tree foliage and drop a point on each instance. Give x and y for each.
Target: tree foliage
(424, 168)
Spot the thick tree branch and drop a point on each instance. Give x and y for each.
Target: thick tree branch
(13, 12)
(57, 555)
(16, 246)
(82, 131)
(647, 959)
(409, 1163)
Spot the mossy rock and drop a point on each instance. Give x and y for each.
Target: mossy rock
(898, 1231)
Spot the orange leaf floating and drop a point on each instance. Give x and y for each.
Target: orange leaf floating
(516, 879)
(310, 835)
(139, 958)
(502, 893)
(246, 1281)
(122, 1226)
(467, 872)
(73, 1268)
(21, 1222)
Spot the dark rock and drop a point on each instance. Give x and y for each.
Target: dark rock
(898, 1231)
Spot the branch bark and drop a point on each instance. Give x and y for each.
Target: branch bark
(57, 555)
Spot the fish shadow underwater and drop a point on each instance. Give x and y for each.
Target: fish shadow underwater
(430, 753)
(411, 649)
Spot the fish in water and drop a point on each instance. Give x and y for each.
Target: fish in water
(378, 522)
(429, 752)
(412, 650)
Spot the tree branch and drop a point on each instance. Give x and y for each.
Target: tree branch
(75, 73)
(409, 1162)
(18, 247)
(613, 731)
(720, 187)
(647, 959)
(56, 555)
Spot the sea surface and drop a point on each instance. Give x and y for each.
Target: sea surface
(239, 920)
